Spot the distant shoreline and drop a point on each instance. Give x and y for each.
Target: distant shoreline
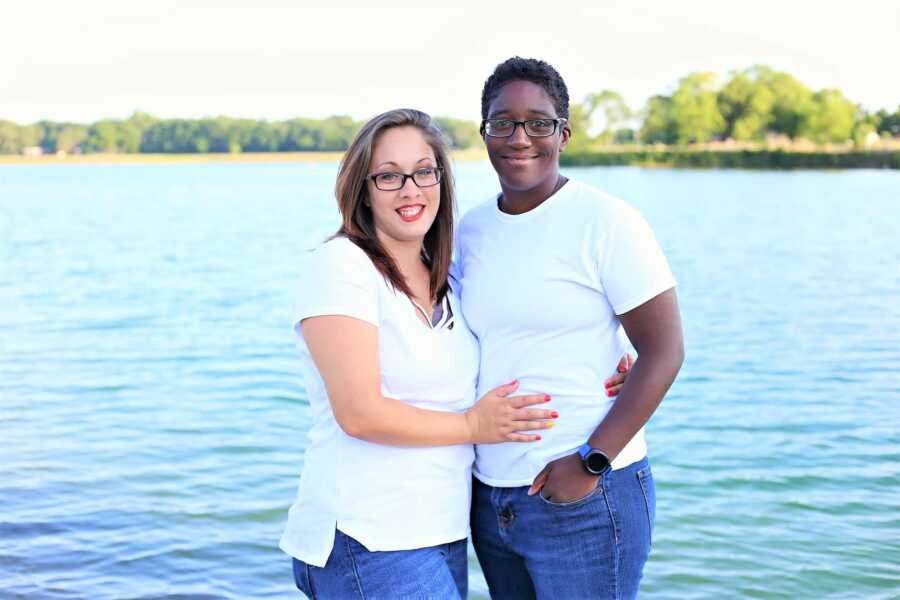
(703, 158)
(239, 157)
(674, 157)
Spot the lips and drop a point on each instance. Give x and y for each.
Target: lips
(411, 212)
(520, 159)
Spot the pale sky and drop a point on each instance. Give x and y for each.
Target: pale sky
(276, 59)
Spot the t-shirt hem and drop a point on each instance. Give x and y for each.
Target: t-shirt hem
(407, 543)
(624, 307)
(510, 483)
(337, 311)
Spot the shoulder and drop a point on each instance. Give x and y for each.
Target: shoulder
(594, 202)
(339, 251)
(603, 212)
(339, 257)
(478, 214)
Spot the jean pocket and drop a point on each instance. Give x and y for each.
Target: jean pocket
(648, 489)
(573, 503)
(301, 578)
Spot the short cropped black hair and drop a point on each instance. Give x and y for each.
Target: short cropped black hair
(526, 69)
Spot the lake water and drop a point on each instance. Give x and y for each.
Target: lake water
(153, 418)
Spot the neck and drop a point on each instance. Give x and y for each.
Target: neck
(516, 202)
(406, 255)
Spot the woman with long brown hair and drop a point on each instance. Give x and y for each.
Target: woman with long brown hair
(390, 368)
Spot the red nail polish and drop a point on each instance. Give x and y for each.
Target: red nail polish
(538, 438)
(609, 393)
(554, 415)
(546, 398)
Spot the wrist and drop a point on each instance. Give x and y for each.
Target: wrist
(594, 460)
(470, 426)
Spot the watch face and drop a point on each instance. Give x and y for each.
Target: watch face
(596, 462)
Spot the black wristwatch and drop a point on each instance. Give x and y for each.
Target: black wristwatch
(595, 461)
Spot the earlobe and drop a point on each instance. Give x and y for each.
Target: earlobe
(565, 135)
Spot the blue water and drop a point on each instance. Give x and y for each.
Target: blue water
(152, 417)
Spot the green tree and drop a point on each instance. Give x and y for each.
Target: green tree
(607, 112)
(831, 119)
(14, 138)
(658, 126)
(694, 109)
(792, 105)
(71, 138)
(888, 123)
(460, 133)
(746, 104)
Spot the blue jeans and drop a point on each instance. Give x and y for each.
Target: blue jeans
(594, 547)
(352, 572)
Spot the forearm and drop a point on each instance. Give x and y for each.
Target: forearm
(393, 422)
(647, 383)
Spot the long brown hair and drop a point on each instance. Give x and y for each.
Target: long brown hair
(352, 193)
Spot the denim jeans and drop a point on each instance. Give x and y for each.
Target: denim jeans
(352, 572)
(594, 547)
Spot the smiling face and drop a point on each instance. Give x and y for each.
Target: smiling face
(524, 163)
(404, 215)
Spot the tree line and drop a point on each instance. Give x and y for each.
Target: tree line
(750, 106)
(144, 133)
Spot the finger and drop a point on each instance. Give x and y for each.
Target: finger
(629, 362)
(532, 425)
(505, 389)
(523, 401)
(539, 482)
(617, 379)
(534, 414)
(614, 390)
(522, 437)
(623, 363)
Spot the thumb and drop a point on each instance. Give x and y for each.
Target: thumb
(539, 481)
(506, 389)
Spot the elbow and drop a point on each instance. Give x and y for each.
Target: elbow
(357, 422)
(354, 426)
(678, 355)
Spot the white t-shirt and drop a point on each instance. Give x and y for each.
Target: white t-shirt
(388, 498)
(541, 292)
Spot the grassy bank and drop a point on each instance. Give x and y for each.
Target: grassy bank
(735, 159)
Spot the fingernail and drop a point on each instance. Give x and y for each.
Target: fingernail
(609, 393)
(538, 439)
(608, 383)
(554, 415)
(549, 424)
(546, 398)
(513, 382)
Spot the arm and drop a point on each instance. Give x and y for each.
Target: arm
(345, 351)
(655, 330)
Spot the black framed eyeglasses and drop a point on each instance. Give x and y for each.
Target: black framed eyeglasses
(390, 181)
(502, 128)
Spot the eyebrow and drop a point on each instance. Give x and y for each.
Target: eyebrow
(531, 110)
(390, 162)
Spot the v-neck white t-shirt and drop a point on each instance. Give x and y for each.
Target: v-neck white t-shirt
(541, 291)
(387, 498)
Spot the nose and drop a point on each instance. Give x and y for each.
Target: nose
(409, 188)
(519, 139)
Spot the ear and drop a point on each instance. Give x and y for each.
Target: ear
(564, 136)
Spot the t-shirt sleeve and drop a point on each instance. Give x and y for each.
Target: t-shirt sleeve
(632, 267)
(338, 279)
